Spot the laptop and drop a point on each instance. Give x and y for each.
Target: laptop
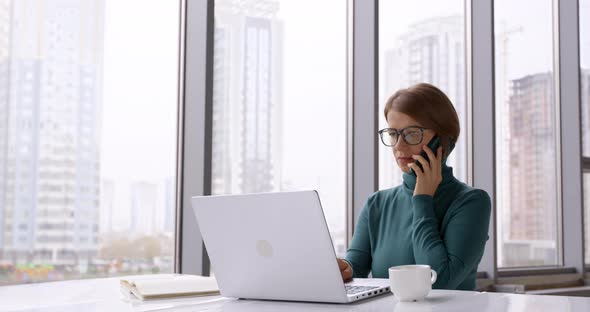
(275, 246)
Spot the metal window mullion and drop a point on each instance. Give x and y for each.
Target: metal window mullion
(480, 78)
(350, 217)
(568, 101)
(179, 139)
(557, 131)
(195, 132)
(362, 115)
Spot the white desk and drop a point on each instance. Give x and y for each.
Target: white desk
(104, 295)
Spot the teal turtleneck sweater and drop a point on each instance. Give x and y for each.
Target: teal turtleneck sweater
(447, 231)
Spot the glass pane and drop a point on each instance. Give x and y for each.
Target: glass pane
(526, 142)
(422, 41)
(88, 107)
(279, 97)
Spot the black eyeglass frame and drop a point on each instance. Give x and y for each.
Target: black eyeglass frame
(400, 133)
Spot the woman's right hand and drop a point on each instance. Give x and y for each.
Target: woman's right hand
(345, 270)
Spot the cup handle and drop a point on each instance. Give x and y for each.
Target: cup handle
(433, 278)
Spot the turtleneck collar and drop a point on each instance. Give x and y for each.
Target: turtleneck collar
(410, 180)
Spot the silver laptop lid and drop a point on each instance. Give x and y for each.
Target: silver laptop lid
(270, 246)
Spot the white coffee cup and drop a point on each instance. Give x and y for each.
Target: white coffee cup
(411, 282)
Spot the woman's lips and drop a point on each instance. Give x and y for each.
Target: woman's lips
(405, 160)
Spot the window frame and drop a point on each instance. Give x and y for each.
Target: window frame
(566, 28)
(363, 105)
(480, 89)
(194, 178)
(194, 131)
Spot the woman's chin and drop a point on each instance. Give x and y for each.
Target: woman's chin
(405, 168)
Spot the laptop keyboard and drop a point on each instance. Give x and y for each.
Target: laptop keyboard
(350, 290)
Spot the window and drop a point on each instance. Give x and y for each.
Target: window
(422, 42)
(584, 9)
(279, 101)
(526, 135)
(106, 91)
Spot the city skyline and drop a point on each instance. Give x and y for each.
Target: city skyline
(532, 225)
(431, 50)
(527, 234)
(527, 207)
(65, 135)
(247, 101)
(126, 207)
(264, 104)
(50, 152)
(69, 184)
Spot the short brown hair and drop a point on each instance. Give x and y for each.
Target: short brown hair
(430, 107)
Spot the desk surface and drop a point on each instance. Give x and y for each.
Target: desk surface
(104, 295)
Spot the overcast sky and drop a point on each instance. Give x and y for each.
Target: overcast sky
(140, 102)
(140, 89)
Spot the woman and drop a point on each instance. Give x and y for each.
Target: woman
(432, 218)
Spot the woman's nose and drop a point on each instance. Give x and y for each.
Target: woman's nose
(400, 144)
(401, 147)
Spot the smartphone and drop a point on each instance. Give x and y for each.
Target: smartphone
(433, 144)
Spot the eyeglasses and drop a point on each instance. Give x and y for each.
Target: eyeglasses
(412, 135)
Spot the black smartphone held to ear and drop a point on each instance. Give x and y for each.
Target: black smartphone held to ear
(433, 144)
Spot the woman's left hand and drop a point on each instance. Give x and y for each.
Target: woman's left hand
(427, 181)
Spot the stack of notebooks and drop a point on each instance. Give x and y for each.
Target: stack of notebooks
(166, 286)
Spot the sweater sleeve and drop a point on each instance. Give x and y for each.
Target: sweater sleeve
(359, 252)
(457, 252)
